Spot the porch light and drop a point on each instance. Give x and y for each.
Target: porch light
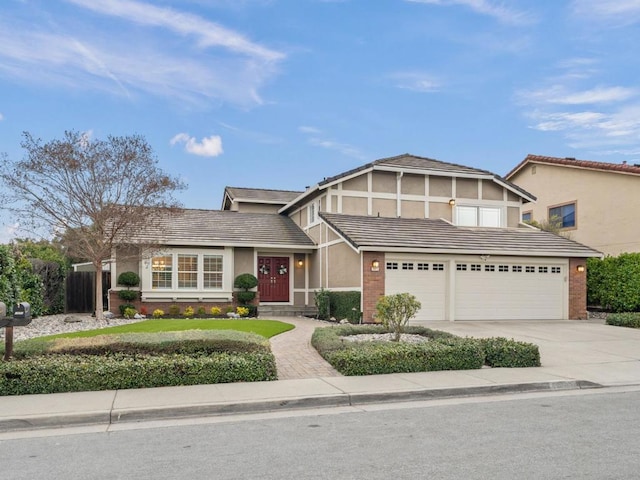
(580, 268)
(375, 266)
(300, 263)
(452, 202)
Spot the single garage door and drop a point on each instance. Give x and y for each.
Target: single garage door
(424, 279)
(509, 291)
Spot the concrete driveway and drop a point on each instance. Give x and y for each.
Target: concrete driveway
(586, 350)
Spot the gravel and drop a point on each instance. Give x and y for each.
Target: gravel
(64, 323)
(385, 337)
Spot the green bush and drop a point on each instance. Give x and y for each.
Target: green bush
(345, 305)
(129, 313)
(245, 281)
(129, 279)
(614, 282)
(323, 303)
(502, 352)
(395, 311)
(174, 310)
(128, 295)
(76, 373)
(245, 297)
(126, 306)
(202, 311)
(628, 319)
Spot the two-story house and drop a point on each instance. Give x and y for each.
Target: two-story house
(593, 202)
(449, 234)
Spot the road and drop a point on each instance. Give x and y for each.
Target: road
(581, 435)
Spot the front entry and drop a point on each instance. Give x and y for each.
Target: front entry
(273, 279)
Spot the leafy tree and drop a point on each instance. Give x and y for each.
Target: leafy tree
(553, 225)
(396, 310)
(92, 192)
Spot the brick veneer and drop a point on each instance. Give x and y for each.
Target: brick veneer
(115, 301)
(577, 289)
(372, 284)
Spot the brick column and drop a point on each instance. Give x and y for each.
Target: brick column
(577, 289)
(372, 284)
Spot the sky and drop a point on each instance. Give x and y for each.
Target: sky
(282, 93)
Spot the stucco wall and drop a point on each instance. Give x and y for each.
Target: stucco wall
(243, 261)
(606, 204)
(344, 270)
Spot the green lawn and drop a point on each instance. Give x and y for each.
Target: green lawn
(266, 328)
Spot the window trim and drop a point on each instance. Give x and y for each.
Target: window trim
(575, 213)
(478, 215)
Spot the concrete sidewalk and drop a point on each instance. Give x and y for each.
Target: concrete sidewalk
(574, 355)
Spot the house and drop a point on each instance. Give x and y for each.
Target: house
(593, 201)
(449, 234)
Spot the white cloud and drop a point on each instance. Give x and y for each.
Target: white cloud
(618, 11)
(318, 139)
(486, 7)
(208, 147)
(8, 232)
(561, 95)
(417, 82)
(311, 130)
(1, 117)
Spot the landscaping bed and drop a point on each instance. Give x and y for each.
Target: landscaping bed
(136, 360)
(628, 319)
(442, 351)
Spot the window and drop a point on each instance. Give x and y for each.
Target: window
(555, 269)
(489, 268)
(530, 269)
(527, 216)
(461, 267)
(407, 266)
(566, 215)
(503, 268)
(312, 211)
(475, 267)
(516, 268)
(212, 269)
(187, 271)
(392, 265)
(423, 266)
(478, 216)
(438, 266)
(543, 269)
(161, 271)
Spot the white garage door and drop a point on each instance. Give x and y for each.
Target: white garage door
(424, 279)
(509, 291)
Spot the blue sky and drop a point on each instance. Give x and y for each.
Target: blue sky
(280, 94)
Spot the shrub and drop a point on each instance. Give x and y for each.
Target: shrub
(242, 311)
(143, 310)
(174, 310)
(228, 309)
(188, 312)
(158, 313)
(129, 312)
(627, 319)
(128, 295)
(201, 310)
(245, 297)
(126, 306)
(129, 279)
(502, 352)
(614, 282)
(345, 305)
(323, 303)
(245, 281)
(215, 311)
(396, 310)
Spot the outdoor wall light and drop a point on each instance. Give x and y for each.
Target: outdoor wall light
(300, 263)
(452, 202)
(580, 268)
(375, 266)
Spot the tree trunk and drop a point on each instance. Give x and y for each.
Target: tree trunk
(99, 304)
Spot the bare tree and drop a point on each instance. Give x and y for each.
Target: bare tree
(91, 192)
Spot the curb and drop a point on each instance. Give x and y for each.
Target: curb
(134, 415)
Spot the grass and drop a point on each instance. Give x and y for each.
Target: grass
(265, 328)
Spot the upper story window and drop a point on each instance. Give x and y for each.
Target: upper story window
(566, 215)
(312, 212)
(527, 216)
(478, 216)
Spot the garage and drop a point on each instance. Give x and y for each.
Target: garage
(476, 289)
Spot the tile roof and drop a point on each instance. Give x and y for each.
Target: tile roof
(262, 194)
(572, 162)
(223, 227)
(439, 236)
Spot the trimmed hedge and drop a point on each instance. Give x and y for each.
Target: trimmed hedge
(628, 319)
(443, 351)
(502, 352)
(76, 373)
(339, 305)
(614, 282)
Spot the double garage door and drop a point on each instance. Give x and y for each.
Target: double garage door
(461, 289)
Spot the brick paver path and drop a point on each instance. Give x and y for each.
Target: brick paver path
(295, 357)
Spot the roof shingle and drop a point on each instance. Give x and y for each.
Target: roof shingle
(572, 162)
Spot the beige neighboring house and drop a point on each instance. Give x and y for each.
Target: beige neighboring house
(449, 234)
(596, 202)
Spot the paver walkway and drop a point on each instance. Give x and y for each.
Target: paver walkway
(295, 357)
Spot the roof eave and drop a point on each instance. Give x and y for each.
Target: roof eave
(509, 253)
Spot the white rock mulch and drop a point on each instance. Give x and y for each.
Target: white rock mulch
(385, 337)
(64, 323)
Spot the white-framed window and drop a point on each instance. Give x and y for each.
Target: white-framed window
(474, 216)
(312, 212)
(188, 270)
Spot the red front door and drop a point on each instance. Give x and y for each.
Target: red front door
(273, 279)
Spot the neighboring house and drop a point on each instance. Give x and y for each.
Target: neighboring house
(449, 234)
(594, 201)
